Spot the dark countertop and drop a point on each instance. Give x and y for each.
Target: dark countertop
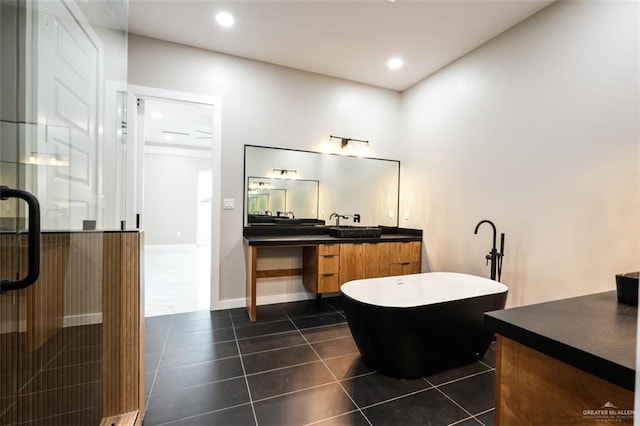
(594, 333)
(301, 235)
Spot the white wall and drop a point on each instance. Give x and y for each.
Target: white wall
(536, 130)
(265, 104)
(171, 198)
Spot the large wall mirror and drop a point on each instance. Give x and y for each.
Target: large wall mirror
(312, 185)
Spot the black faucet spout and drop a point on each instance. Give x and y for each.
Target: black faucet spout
(493, 254)
(492, 226)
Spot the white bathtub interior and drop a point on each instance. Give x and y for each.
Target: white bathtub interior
(405, 291)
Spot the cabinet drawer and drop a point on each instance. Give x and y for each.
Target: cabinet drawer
(328, 283)
(328, 264)
(325, 249)
(404, 268)
(403, 252)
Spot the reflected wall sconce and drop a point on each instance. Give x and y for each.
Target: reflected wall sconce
(344, 142)
(47, 159)
(260, 185)
(285, 172)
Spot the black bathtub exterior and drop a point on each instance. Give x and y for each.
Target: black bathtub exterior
(415, 341)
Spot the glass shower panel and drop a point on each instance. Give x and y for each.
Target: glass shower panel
(9, 118)
(62, 69)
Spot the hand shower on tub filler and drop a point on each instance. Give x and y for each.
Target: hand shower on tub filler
(494, 256)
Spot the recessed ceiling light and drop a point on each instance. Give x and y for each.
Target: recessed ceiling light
(394, 63)
(156, 115)
(225, 19)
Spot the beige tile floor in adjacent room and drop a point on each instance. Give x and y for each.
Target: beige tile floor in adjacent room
(177, 279)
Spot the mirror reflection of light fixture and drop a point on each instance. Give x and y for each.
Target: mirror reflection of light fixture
(46, 159)
(260, 185)
(285, 172)
(344, 142)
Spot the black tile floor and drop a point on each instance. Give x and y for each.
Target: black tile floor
(296, 365)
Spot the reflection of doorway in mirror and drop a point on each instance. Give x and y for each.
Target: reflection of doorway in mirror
(258, 203)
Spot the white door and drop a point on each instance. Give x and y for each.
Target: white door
(69, 143)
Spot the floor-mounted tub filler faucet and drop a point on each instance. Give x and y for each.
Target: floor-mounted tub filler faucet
(494, 256)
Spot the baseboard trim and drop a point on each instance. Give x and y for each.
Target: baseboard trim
(263, 300)
(84, 319)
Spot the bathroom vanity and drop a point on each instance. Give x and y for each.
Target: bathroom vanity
(327, 261)
(570, 361)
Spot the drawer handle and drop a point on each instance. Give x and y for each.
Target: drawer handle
(405, 263)
(328, 256)
(328, 275)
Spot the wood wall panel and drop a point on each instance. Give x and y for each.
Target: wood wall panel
(123, 325)
(45, 298)
(86, 276)
(8, 330)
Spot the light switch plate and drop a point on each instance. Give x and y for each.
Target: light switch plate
(229, 204)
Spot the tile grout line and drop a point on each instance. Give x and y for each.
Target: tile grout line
(195, 416)
(244, 371)
(271, 370)
(395, 398)
(330, 372)
(155, 374)
(462, 421)
(484, 412)
(460, 378)
(330, 418)
(452, 400)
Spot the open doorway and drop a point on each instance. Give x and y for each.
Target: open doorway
(176, 204)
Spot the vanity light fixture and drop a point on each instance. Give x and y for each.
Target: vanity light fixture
(284, 172)
(344, 142)
(260, 185)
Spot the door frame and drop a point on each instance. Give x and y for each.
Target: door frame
(135, 167)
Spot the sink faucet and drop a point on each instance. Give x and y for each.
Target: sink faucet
(356, 217)
(494, 256)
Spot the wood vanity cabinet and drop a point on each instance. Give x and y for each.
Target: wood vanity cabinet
(328, 266)
(363, 260)
(322, 268)
(404, 258)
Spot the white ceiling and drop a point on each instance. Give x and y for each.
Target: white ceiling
(178, 124)
(346, 39)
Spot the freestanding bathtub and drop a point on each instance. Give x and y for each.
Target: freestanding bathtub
(411, 325)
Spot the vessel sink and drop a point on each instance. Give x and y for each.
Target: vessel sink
(355, 231)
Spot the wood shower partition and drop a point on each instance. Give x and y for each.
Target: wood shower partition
(88, 300)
